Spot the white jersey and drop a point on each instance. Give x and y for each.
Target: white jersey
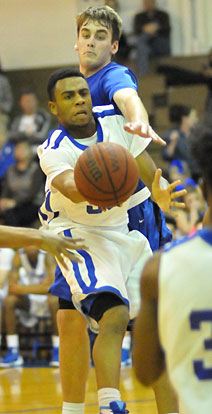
(114, 252)
(185, 320)
(61, 152)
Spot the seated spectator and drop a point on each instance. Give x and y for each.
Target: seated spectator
(6, 98)
(33, 122)
(195, 207)
(124, 48)
(29, 281)
(152, 28)
(6, 153)
(23, 188)
(177, 138)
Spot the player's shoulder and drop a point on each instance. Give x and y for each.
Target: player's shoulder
(184, 242)
(106, 115)
(115, 69)
(54, 141)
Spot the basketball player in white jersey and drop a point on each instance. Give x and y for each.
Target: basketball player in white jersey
(93, 293)
(174, 324)
(29, 281)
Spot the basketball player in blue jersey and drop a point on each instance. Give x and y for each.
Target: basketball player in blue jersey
(99, 30)
(99, 289)
(177, 305)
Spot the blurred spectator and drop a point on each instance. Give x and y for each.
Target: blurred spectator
(193, 213)
(207, 73)
(6, 98)
(171, 224)
(29, 281)
(6, 154)
(152, 28)
(33, 122)
(23, 188)
(124, 48)
(177, 138)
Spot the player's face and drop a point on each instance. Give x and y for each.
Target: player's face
(72, 102)
(95, 46)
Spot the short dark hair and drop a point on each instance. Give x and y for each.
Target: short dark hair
(106, 16)
(200, 143)
(177, 111)
(61, 74)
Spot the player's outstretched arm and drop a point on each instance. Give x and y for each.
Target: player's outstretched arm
(135, 113)
(148, 358)
(165, 197)
(58, 246)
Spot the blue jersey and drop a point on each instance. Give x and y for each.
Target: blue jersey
(146, 216)
(108, 80)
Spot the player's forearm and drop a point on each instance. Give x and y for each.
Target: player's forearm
(131, 106)
(146, 168)
(66, 185)
(19, 237)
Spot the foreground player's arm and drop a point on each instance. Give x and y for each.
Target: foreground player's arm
(162, 192)
(135, 113)
(16, 237)
(65, 183)
(148, 357)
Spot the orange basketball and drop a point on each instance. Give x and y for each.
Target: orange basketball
(106, 174)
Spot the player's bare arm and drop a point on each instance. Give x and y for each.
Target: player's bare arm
(65, 183)
(44, 239)
(134, 111)
(148, 364)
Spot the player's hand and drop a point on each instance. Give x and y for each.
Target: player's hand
(60, 246)
(144, 130)
(165, 197)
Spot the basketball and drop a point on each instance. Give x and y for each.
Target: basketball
(106, 174)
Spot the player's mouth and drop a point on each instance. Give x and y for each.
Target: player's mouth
(89, 52)
(81, 113)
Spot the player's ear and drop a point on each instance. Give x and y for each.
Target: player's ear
(114, 47)
(53, 108)
(76, 47)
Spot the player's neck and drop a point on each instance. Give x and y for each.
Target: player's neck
(89, 71)
(80, 132)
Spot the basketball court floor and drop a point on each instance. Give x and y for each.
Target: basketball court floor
(38, 391)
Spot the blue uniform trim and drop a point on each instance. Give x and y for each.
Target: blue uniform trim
(61, 288)
(205, 235)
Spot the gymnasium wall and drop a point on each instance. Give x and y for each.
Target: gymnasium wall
(42, 33)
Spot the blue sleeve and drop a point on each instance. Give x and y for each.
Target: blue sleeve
(117, 78)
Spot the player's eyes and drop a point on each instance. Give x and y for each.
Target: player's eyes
(85, 36)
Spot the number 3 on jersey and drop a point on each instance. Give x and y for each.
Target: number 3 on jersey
(196, 318)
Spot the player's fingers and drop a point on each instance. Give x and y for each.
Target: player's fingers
(173, 185)
(177, 204)
(157, 176)
(177, 194)
(155, 137)
(61, 258)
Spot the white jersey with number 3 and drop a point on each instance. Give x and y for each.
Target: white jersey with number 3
(185, 320)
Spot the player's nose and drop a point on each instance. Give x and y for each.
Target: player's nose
(91, 41)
